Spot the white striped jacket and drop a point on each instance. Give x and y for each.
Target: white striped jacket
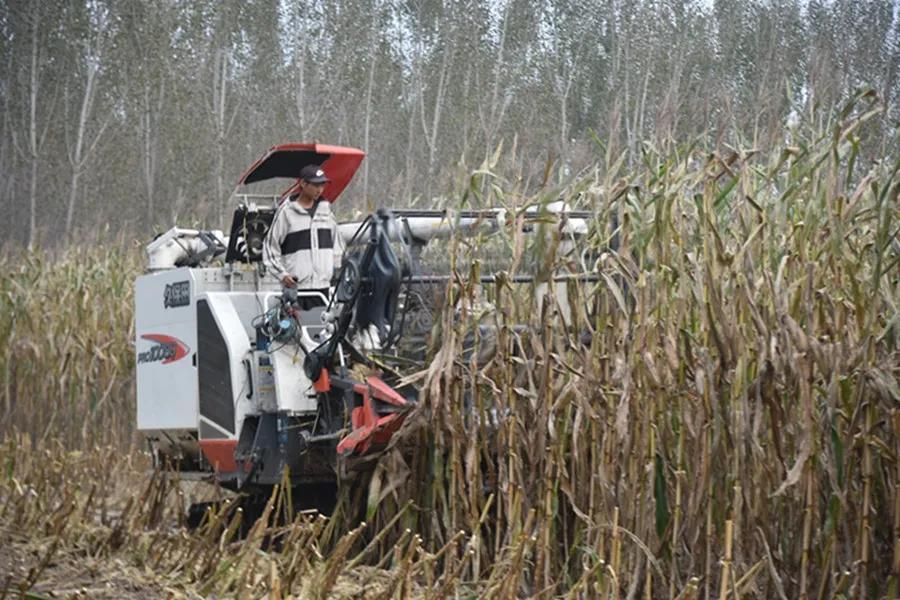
(309, 247)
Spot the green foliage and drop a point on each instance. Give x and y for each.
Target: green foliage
(659, 496)
(68, 362)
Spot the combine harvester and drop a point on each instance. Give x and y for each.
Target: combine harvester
(240, 381)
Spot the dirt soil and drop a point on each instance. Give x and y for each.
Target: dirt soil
(68, 574)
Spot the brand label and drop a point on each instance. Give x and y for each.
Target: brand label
(166, 349)
(177, 294)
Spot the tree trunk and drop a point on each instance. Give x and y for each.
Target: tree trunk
(33, 90)
(77, 156)
(148, 130)
(492, 121)
(410, 132)
(220, 93)
(32, 204)
(369, 85)
(431, 134)
(147, 158)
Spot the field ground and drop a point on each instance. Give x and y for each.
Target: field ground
(82, 541)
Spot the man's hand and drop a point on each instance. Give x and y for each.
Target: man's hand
(289, 281)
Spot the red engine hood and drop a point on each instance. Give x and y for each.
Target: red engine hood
(286, 160)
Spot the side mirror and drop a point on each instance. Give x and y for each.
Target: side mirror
(348, 280)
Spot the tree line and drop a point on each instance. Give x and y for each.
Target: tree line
(133, 115)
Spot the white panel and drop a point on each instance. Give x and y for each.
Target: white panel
(232, 330)
(165, 347)
(293, 389)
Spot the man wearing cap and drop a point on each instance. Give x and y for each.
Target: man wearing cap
(304, 247)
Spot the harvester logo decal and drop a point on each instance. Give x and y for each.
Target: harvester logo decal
(177, 294)
(166, 349)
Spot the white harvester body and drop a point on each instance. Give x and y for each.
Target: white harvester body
(199, 372)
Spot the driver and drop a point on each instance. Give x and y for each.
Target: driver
(303, 247)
